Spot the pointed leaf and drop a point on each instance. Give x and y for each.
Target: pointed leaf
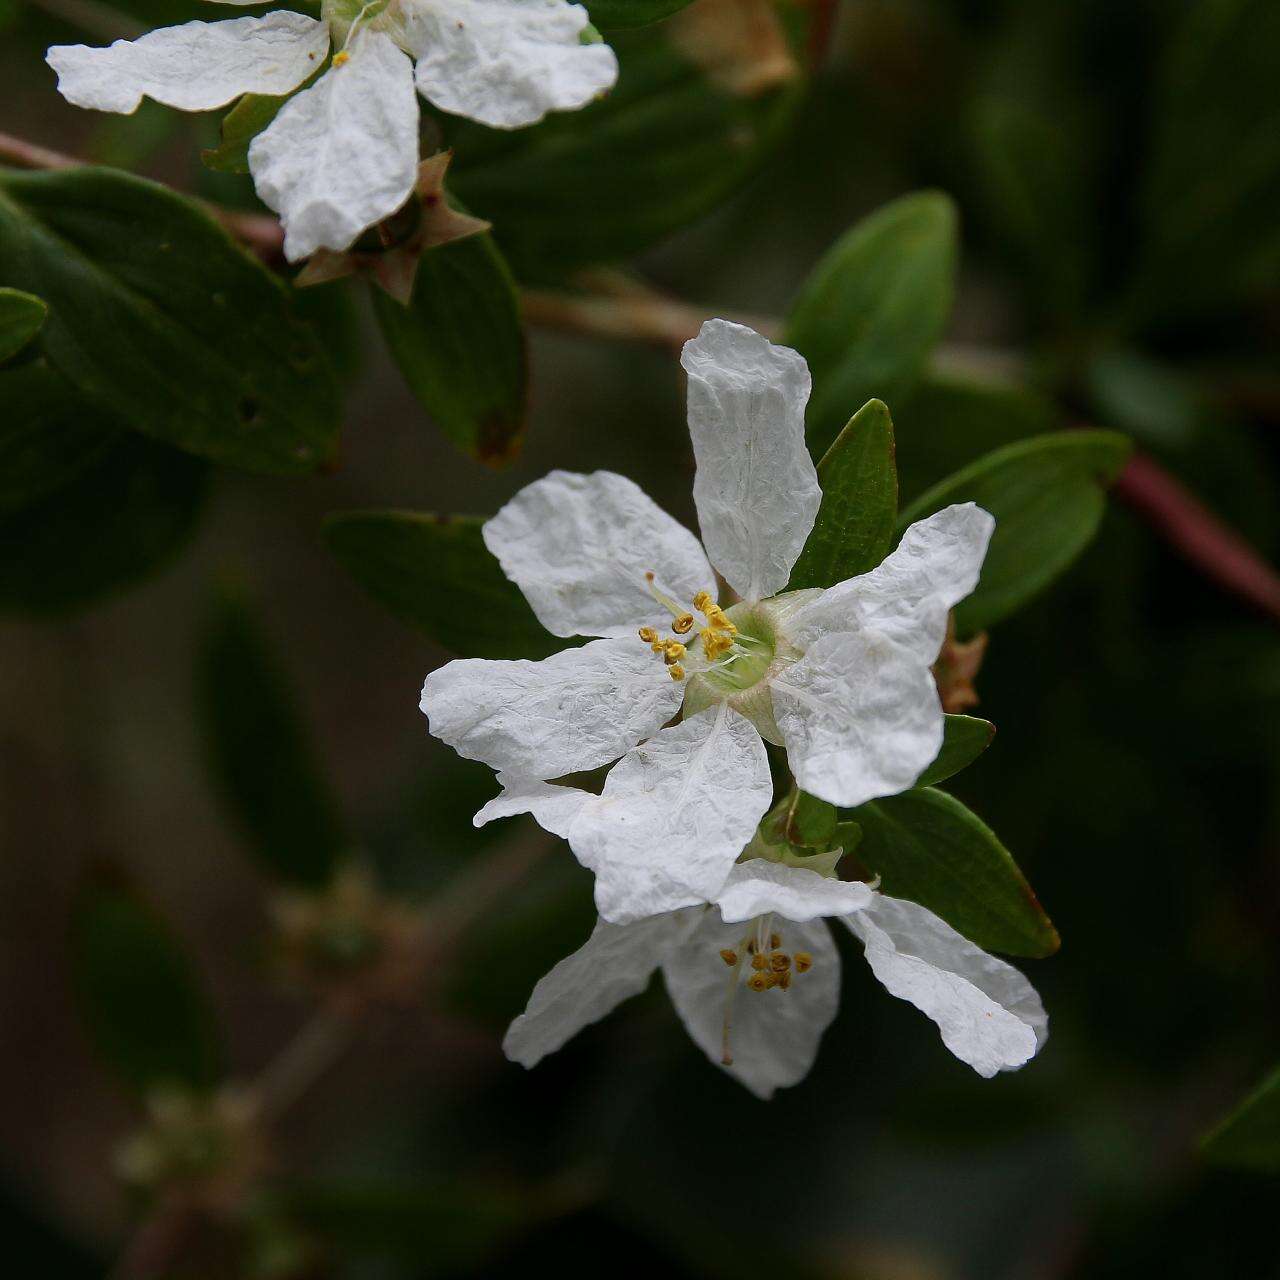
(873, 308)
(248, 118)
(21, 318)
(1047, 495)
(145, 1009)
(1249, 1137)
(926, 846)
(261, 753)
(159, 318)
(611, 15)
(964, 739)
(461, 346)
(436, 574)
(858, 517)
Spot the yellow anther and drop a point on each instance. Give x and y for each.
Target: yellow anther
(714, 643)
(774, 942)
(340, 58)
(784, 980)
(729, 956)
(648, 635)
(673, 651)
(649, 575)
(779, 962)
(677, 672)
(683, 624)
(758, 982)
(804, 962)
(717, 617)
(702, 600)
(759, 962)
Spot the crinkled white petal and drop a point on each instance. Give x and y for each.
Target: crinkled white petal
(614, 964)
(196, 66)
(908, 596)
(989, 1014)
(756, 487)
(860, 717)
(553, 807)
(674, 815)
(576, 710)
(579, 546)
(343, 154)
(505, 63)
(758, 887)
(773, 1035)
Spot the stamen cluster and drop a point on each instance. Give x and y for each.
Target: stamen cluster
(772, 967)
(717, 636)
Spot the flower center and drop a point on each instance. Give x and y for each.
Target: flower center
(770, 967)
(718, 636)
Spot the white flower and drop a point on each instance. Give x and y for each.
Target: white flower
(839, 677)
(343, 154)
(763, 1016)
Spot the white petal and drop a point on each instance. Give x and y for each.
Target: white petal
(575, 710)
(860, 717)
(773, 1035)
(756, 488)
(757, 887)
(908, 596)
(989, 1014)
(196, 66)
(553, 807)
(505, 63)
(343, 154)
(674, 815)
(614, 964)
(579, 547)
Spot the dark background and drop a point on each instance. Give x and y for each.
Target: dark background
(1133, 775)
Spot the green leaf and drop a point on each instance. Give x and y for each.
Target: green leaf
(615, 14)
(261, 753)
(156, 316)
(964, 739)
(48, 434)
(810, 821)
(926, 846)
(436, 574)
(1047, 495)
(248, 118)
(461, 346)
(120, 519)
(1249, 1137)
(21, 317)
(145, 1009)
(662, 148)
(858, 516)
(873, 308)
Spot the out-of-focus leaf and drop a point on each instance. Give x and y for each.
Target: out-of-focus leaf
(856, 521)
(1249, 1137)
(143, 1003)
(614, 14)
(1211, 238)
(952, 419)
(1047, 495)
(926, 846)
(48, 434)
(261, 753)
(159, 318)
(120, 519)
(1155, 403)
(964, 739)
(436, 574)
(21, 317)
(461, 346)
(871, 311)
(662, 148)
(248, 118)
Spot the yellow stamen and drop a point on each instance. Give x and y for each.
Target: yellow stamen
(702, 600)
(677, 672)
(804, 962)
(759, 962)
(758, 982)
(648, 635)
(779, 962)
(775, 941)
(673, 651)
(729, 956)
(784, 980)
(340, 59)
(683, 624)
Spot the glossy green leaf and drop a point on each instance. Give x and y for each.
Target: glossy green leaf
(436, 574)
(858, 517)
(122, 518)
(21, 317)
(1047, 495)
(146, 1011)
(873, 308)
(461, 346)
(661, 149)
(248, 118)
(1249, 1137)
(964, 739)
(48, 434)
(810, 821)
(261, 753)
(159, 318)
(926, 846)
(611, 15)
